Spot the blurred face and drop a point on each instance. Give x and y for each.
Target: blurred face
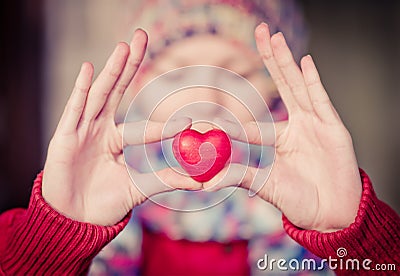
(208, 50)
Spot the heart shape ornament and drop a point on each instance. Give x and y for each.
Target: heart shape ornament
(202, 156)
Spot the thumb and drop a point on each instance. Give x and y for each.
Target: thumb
(238, 175)
(165, 180)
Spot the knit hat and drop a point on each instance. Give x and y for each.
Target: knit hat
(168, 21)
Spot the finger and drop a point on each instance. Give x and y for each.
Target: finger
(263, 41)
(105, 82)
(165, 180)
(135, 133)
(137, 51)
(291, 71)
(319, 98)
(258, 133)
(76, 103)
(238, 175)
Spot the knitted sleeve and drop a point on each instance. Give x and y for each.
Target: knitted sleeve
(40, 241)
(370, 244)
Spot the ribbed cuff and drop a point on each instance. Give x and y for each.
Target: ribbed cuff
(374, 235)
(46, 242)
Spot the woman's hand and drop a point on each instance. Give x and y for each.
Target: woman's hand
(85, 177)
(315, 179)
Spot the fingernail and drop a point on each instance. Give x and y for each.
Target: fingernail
(261, 28)
(280, 35)
(181, 119)
(186, 121)
(224, 120)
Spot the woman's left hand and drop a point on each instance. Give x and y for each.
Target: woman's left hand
(314, 179)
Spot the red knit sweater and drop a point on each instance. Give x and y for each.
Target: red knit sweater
(39, 240)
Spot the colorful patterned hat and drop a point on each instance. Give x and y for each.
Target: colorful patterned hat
(168, 21)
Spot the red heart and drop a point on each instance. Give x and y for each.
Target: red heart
(202, 156)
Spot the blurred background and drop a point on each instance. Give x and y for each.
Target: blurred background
(356, 45)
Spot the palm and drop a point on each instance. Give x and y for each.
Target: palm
(312, 165)
(91, 160)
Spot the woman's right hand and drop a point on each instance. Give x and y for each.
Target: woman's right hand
(85, 177)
